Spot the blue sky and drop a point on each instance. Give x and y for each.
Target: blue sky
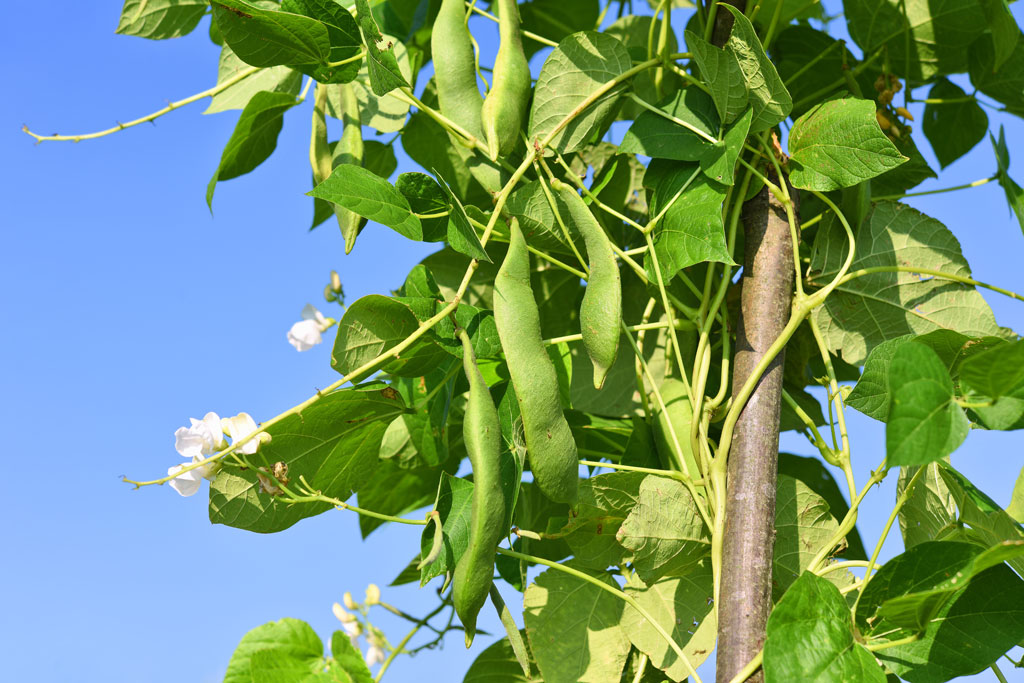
(129, 309)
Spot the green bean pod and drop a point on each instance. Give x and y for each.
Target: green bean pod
(482, 434)
(455, 67)
(549, 441)
(601, 310)
(349, 150)
(505, 105)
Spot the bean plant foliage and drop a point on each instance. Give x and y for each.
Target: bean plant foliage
(620, 569)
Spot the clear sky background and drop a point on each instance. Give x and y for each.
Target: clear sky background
(128, 309)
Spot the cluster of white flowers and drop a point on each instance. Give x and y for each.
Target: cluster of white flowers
(308, 332)
(206, 437)
(354, 629)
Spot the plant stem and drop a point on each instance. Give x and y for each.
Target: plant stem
(965, 186)
(900, 501)
(405, 641)
(220, 87)
(752, 666)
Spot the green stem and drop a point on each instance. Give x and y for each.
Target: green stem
(405, 641)
(753, 665)
(349, 60)
(210, 92)
(849, 521)
(674, 119)
(628, 599)
(900, 502)
(965, 186)
(998, 673)
(876, 646)
(934, 273)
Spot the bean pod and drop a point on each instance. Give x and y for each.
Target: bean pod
(455, 67)
(549, 442)
(348, 150)
(482, 434)
(505, 105)
(601, 310)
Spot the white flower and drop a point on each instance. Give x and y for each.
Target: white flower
(372, 594)
(241, 426)
(204, 437)
(187, 483)
(306, 333)
(374, 655)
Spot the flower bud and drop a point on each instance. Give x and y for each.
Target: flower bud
(342, 615)
(329, 295)
(349, 602)
(335, 282)
(372, 594)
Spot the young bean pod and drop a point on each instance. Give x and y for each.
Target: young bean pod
(455, 67)
(482, 434)
(601, 310)
(505, 105)
(549, 442)
(348, 150)
(458, 95)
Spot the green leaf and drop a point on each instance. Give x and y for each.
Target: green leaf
(765, 91)
(425, 196)
(363, 192)
(160, 19)
(454, 504)
(270, 38)
(381, 61)
(953, 128)
(371, 326)
(254, 138)
(989, 523)
(950, 567)
(906, 175)
(348, 660)
(273, 79)
(343, 34)
(803, 524)
(664, 530)
(871, 395)
(719, 161)
(461, 235)
(1005, 33)
(929, 40)
(721, 71)
(581, 64)
(1013, 191)
(419, 140)
(496, 664)
(863, 312)
(810, 638)
(692, 230)
(684, 607)
(384, 113)
(995, 372)
(657, 135)
(332, 443)
(812, 473)
(1016, 507)
(289, 637)
(925, 422)
(964, 634)
(1005, 83)
(575, 629)
(839, 144)
(604, 502)
(929, 509)
(530, 206)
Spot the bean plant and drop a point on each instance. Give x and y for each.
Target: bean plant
(664, 234)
